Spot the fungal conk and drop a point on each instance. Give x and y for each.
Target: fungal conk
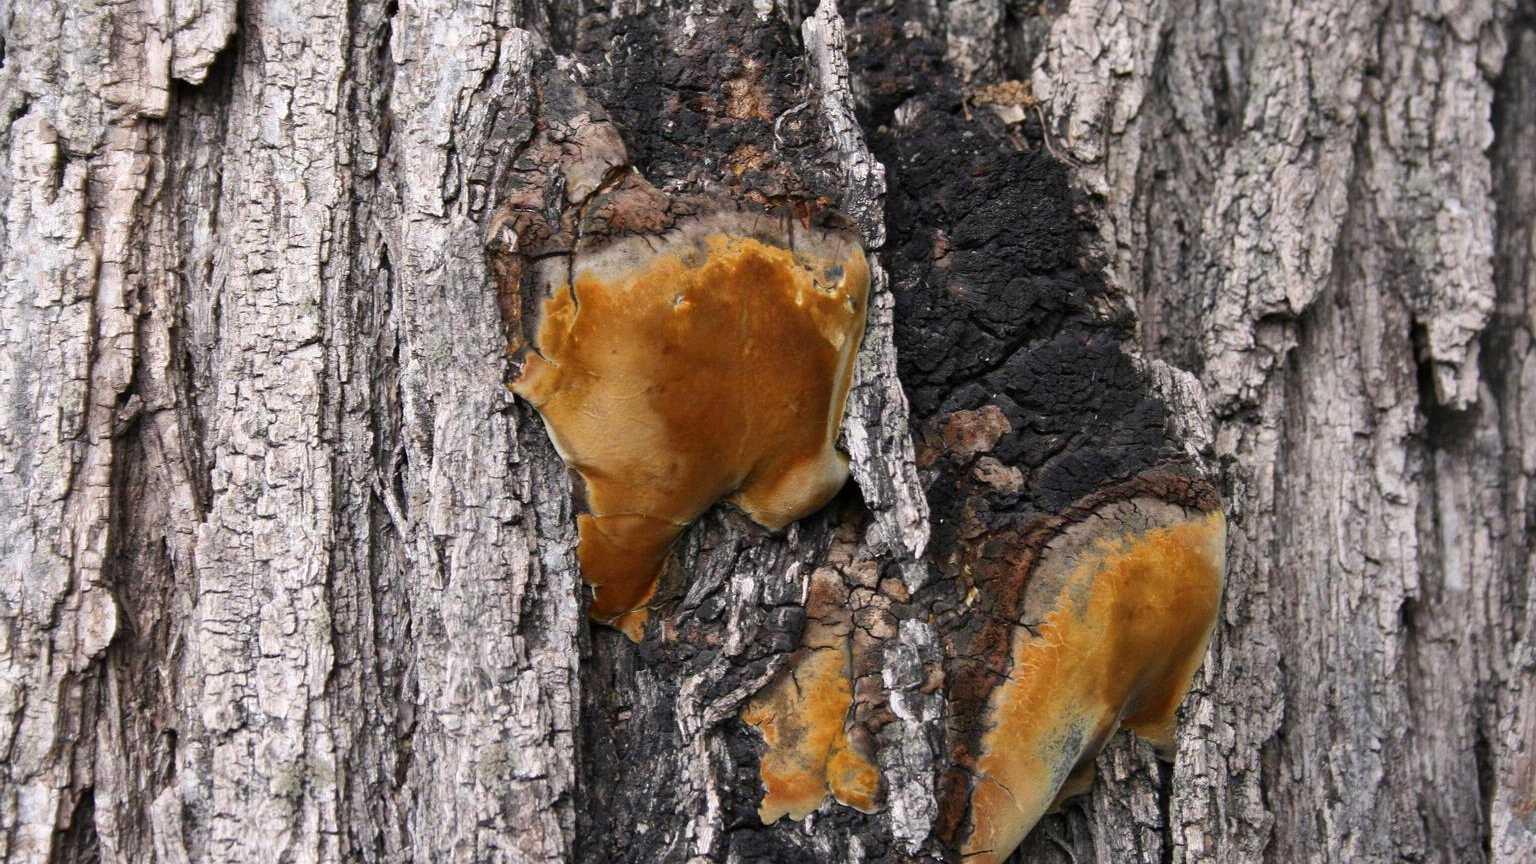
(1121, 608)
(804, 716)
(673, 370)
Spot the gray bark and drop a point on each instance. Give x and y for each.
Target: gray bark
(289, 575)
(1321, 207)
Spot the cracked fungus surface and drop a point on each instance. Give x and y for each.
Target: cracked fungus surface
(673, 371)
(1125, 636)
(804, 717)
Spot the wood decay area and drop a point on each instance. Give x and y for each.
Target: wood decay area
(609, 310)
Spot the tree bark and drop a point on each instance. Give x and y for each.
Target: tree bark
(288, 573)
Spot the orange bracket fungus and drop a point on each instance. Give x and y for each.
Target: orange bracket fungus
(1114, 605)
(1119, 609)
(806, 714)
(675, 369)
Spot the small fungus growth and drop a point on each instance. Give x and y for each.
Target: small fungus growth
(673, 370)
(1120, 607)
(804, 716)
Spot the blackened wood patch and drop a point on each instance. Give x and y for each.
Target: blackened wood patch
(1032, 421)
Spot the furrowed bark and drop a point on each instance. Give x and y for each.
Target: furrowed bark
(289, 574)
(1309, 216)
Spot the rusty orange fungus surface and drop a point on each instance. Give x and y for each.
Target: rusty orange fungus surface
(804, 717)
(1122, 615)
(672, 371)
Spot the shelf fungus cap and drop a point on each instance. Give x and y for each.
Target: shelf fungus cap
(1122, 605)
(812, 746)
(708, 362)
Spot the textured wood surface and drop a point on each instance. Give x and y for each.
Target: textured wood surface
(287, 574)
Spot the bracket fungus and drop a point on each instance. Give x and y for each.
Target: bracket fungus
(806, 713)
(1118, 597)
(1121, 606)
(673, 370)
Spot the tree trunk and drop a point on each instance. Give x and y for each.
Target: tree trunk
(290, 575)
